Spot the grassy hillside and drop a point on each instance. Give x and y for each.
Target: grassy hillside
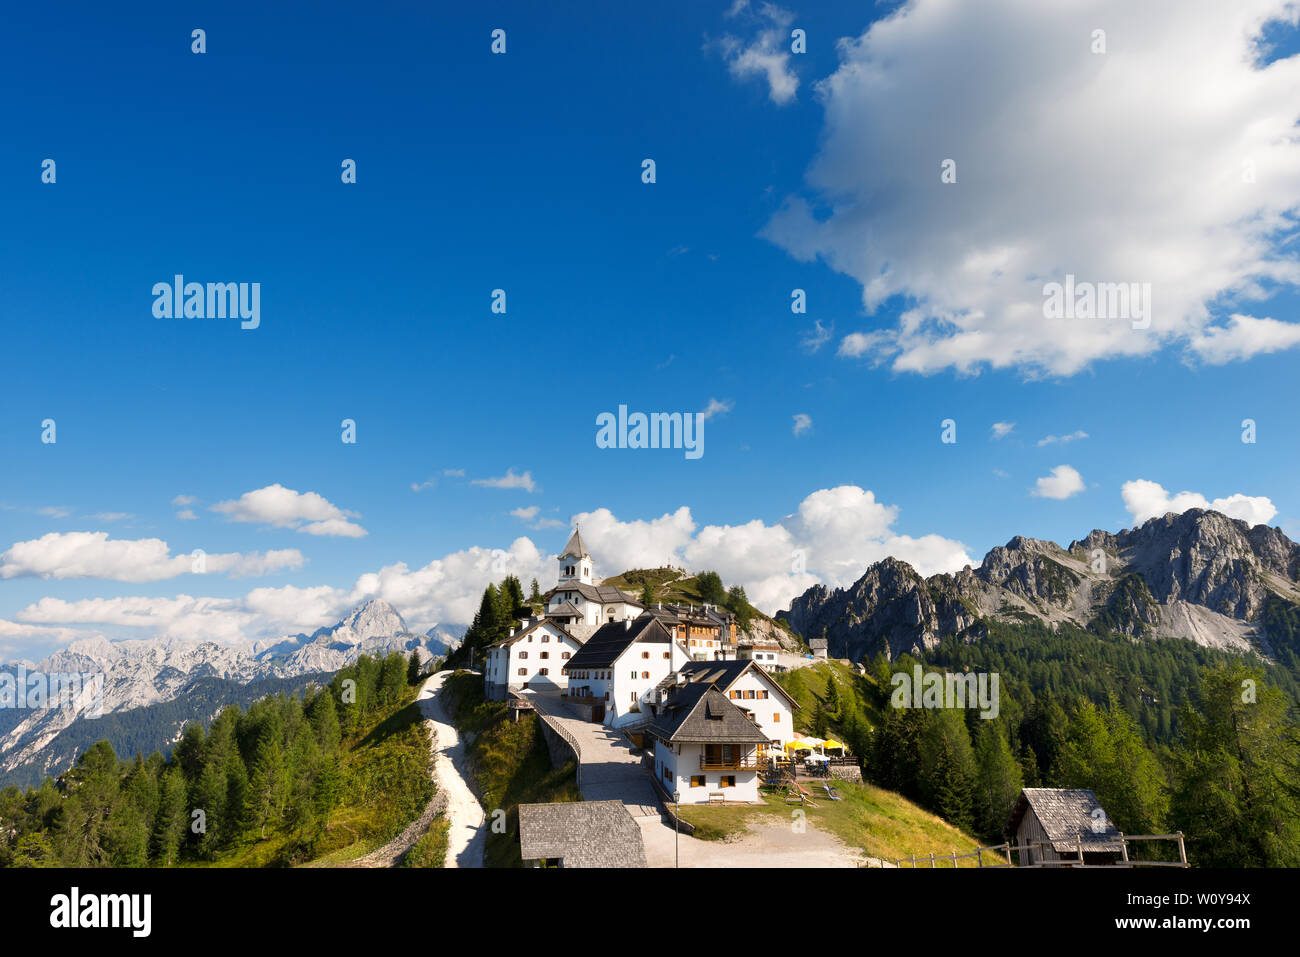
(880, 823)
(386, 773)
(849, 721)
(511, 765)
(671, 586)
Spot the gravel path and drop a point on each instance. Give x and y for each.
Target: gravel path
(453, 796)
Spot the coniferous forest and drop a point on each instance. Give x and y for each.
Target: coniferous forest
(338, 770)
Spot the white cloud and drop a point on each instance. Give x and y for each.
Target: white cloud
(509, 480)
(421, 486)
(802, 423)
(1145, 500)
(186, 514)
(1062, 439)
(55, 511)
(281, 507)
(816, 337)
(767, 54)
(95, 555)
(834, 535)
(1242, 338)
(529, 516)
(180, 500)
(1001, 430)
(1011, 91)
(717, 407)
(1062, 483)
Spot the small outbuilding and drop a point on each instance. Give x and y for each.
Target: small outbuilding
(579, 834)
(1062, 827)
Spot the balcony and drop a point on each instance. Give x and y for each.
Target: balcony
(746, 762)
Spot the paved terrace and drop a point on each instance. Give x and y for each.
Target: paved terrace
(611, 770)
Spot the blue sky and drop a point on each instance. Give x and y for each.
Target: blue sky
(523, 172)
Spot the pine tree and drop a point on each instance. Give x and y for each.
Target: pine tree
(998, 780)
(1238, 794)
(170, 825)
(413, 669)
(535, 594)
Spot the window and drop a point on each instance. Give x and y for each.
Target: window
(727, 781)
(776, 717)
(733, 695)
(564, 654)
(632, 695)
(545, 638)
(698, 781)
(523, 654)
(667, 776)
(667, 655)
(749, 694)
(645, 654)
(645, 674)
(523, 671)
(763, 694)
(634, 676)
(546, 654)
(543, 671)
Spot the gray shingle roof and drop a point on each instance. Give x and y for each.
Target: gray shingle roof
(581, 834)
(699, 712)
(565, 610)
(576, 547)
(723, 674)
(597, 593)
(609, 641)
(1068, 815)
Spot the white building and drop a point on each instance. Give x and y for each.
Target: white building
(533, 656)
(704, 746)
(751, 689)
(613, 678)
(579, 604)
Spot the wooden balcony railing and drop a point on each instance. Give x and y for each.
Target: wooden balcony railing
(747, 762)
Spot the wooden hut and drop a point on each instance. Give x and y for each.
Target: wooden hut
(1063, 827)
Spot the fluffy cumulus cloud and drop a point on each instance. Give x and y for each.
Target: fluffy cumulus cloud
(832, 537)
(1243, 337)
(95, 555)
(281, 507)
(802, 423)
(1063, 482)
(1060, 170)
(1145, 500)
(765, 52)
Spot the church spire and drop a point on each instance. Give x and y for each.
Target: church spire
(576, 547)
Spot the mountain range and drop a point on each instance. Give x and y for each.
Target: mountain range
(1197, 575)
(146, 674)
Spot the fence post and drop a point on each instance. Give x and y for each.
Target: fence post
(1123, 846)
(932, 860)
(1007, 846)
(1182, 850)
(1078, 846)
(954, 857)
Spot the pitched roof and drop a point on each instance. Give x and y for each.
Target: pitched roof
(724, 674)
(1068, 815)
(565, 610)
(576, 547)
(581, 834)
(510, 640)
(699, 712)
(603, 594)
(609, 641)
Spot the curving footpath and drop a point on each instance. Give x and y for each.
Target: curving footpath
(465, 817)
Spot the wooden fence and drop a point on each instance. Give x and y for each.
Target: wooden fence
(1001, 854)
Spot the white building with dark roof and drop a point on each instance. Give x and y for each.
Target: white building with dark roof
(533, 656)
(612, 679)
(579, 604)
(705, 748)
